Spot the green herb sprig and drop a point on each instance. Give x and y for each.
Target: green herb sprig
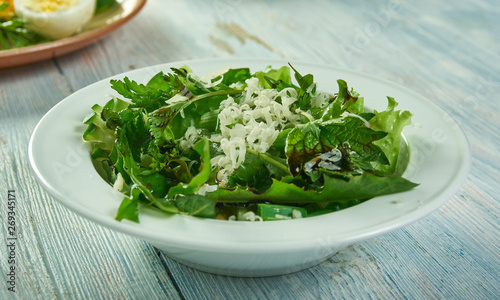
(14, 33)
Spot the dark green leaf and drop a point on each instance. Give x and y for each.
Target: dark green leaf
(196, 205)
(149, 98)
(129, 208)
(235, 76)
(357, 187)
(253, 173)
(103, 5)
(273, 212)
(15, 33)
(308, 141)
(203, 149)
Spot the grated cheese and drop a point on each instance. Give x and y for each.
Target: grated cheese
(255, 123)
(119, 182)
(296, 214)
(251, 216)
(282, 217)
(206, 188)
(191, 136)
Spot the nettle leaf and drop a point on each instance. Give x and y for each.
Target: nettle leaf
(151, 96)
(196, 205)
(160, 119)
(139, 94)
(156, 183)
(253, 173)
(173, 81)
(134, 126)
(159, 127)
(308, 141)
(150, 186)
(307, 88)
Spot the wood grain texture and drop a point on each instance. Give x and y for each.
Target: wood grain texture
(59, 255)
(449, 53)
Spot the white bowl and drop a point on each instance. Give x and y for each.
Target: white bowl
(439, 161)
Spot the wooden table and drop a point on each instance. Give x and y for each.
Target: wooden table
(447, 52)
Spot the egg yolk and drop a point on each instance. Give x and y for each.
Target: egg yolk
(49, 6)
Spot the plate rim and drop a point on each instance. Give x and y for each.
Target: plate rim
(292, 245)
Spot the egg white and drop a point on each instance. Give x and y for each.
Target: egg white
(57, 24)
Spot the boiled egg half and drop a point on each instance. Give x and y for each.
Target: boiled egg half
(55, 18)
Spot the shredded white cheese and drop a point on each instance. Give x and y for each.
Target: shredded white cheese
(296, 214)
(191, 136)
(206, 81)
(255, 123)
(282, 217)
(206, 188)
(119, 182)
(252, 123)
(251, 216)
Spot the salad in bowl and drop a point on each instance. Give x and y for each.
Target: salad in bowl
(245, 146)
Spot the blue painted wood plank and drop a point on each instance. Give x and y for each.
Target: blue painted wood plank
(448, 52)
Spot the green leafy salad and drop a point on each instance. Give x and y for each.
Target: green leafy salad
(237, 145)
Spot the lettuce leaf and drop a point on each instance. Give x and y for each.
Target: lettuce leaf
(393, 122)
